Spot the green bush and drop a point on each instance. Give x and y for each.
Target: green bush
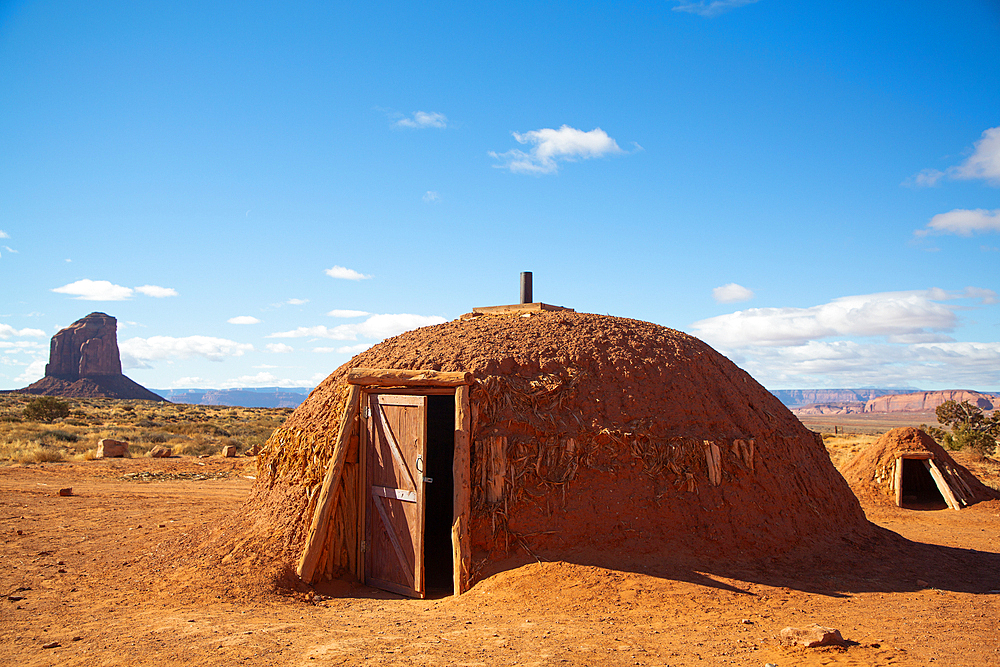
(46, 409)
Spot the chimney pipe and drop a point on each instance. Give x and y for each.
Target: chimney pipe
(526, 287)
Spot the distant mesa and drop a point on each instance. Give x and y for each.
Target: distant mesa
(928, 401)
(84, 362)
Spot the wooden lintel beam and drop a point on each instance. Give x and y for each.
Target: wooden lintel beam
(397, 377)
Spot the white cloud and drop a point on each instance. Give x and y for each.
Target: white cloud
(885, 314)
(35, 371)
(852, 364)
(279, 348)
(963, 222)
(549, 147)
(984, 163)
(431, 197)
(376, 327)
(784, 347)
(421, 119)
(155, 291)
(95, 290)
(710, 8)
(297, 302)
(4, 235)
(243, 319)
(19, 346)
(9, 249)
(732, 293)
(103, 290)
(136, 352)
(353, 349)
(344, 273)
(7, 331)
(347, 313)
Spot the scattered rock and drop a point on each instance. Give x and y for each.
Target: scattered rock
(66, 492)
(253, 451)
(109, 449)
(812, 636)
(159, 452)
(229, 451)
(51, 645)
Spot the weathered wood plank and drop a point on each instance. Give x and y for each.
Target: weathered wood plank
(318, 531)
(942, 485)
(519, 308)
(462, 507)
(898, 482)
(496, 463)
(396, 377)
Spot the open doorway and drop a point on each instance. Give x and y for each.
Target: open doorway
(918, 489)
(439, 494)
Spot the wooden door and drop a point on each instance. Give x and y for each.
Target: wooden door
(396, 450)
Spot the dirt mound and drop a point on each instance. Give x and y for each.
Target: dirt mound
(98, 386)
(870, 473)
(609, 424)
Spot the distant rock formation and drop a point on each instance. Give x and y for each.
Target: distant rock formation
(84, 362)
(802, 397)
(927, 401)
(830, 409)
(86, 348)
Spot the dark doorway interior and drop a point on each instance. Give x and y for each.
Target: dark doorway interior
(439, 495)
(918, 486)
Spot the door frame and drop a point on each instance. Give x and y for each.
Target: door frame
(426, 383)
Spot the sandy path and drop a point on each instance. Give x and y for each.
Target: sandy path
(81, 569)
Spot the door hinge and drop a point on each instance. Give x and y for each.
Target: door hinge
(368, 412)
(364, 546)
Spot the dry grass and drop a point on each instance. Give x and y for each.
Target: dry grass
(842, 448)
(186, 429)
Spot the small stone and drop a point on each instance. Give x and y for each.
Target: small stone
(746, 621)
(159, 452)
(229, 451)
(77, 638)
(66, 492)
(812, 636)
(51, 645)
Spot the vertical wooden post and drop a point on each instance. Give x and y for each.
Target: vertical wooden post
(899, 482)
(327, 503)
(462, 479)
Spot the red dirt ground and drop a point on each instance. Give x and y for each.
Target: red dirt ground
(87, 572)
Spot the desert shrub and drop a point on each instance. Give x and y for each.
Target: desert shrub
(30, 451)
(63, 436)
(46, 409)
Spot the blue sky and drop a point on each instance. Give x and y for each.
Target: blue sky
(259, 190)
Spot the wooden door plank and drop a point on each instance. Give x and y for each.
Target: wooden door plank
(404, 562)
(390, 440)
(397, 438)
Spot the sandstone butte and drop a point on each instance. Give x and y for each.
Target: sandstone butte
(927, 401)
(84, 361)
